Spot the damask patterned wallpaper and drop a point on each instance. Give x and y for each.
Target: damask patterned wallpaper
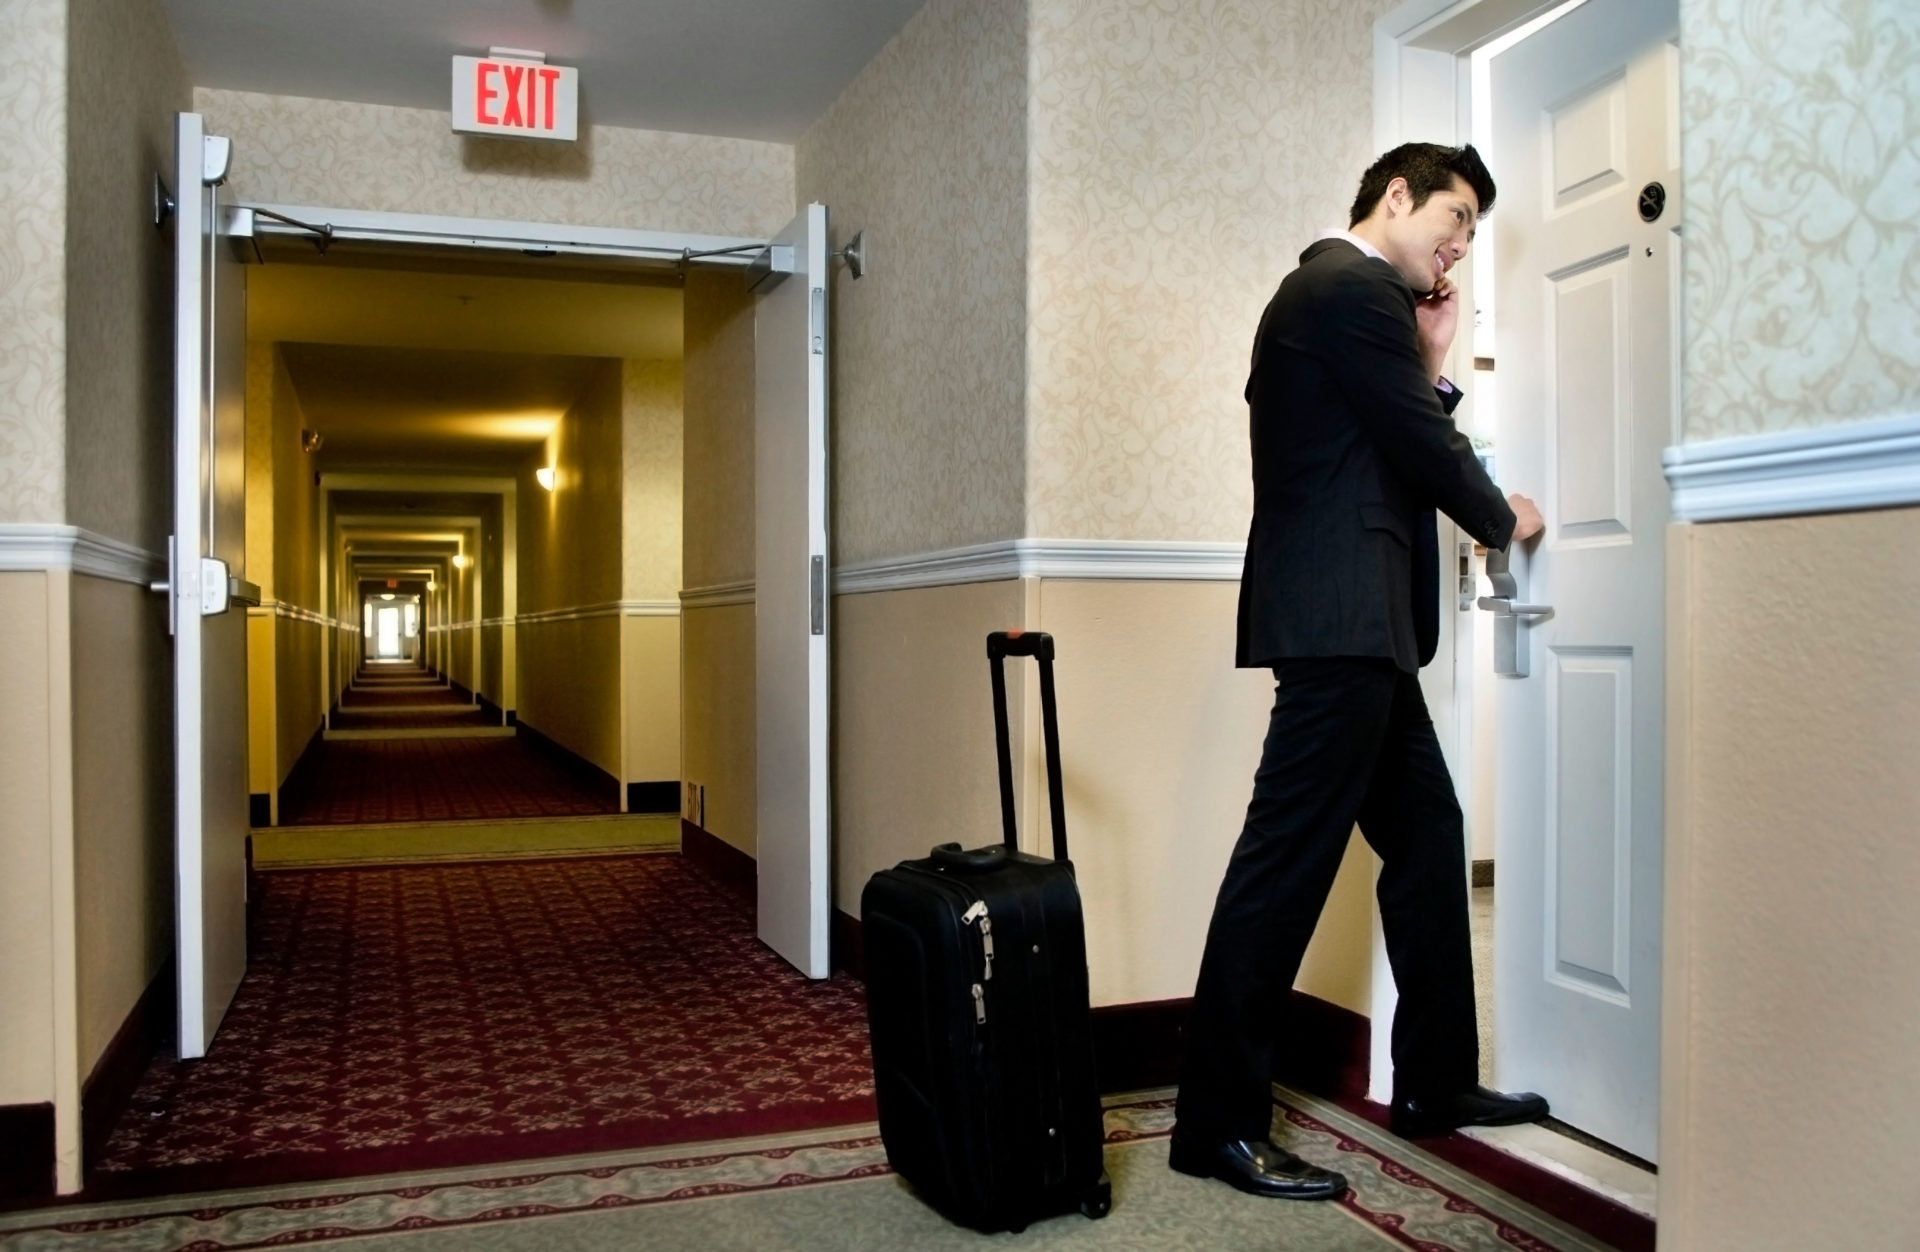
(1182, 156)
(1802, 212)
(717, 478)
(33, 200)
(926, 153)
(125, 83)
(650, 502)
(335, 153)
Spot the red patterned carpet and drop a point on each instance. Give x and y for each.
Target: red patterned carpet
(344, 781)
(383, 694)
(452, 717)
(449, 1015)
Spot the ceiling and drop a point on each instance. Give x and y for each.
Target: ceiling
(312, 301)
(413, 407)
(751, 69)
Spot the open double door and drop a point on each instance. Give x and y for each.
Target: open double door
(208, 548)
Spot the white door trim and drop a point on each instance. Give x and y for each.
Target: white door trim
(1855, 465)
(1422, 91)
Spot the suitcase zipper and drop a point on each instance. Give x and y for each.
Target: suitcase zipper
(979, 913)
(979, 1004)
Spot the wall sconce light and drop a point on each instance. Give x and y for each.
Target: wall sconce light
(432, 585)
(544, 476)
(386, 595)
(310, 440)
(462, 560)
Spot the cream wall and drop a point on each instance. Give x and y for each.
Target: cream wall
(569, 559)
(33, 298)
(122, 802)
(651, 511)
(287, 700)
(338, 154)
(1078, 209)
(125, 80)
(650, 726)
(1180, 158)
(1803, 249)
(1794, 719)
(718, 749)
(717, 550)
(650, 453)
(1793, 1010)
(1160, 737)
(926, 153)
(913, 761)
(28, 796)
(717, 528)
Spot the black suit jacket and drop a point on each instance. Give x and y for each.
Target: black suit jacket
(1353, 450)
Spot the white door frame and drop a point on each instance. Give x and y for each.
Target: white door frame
(1423, 92)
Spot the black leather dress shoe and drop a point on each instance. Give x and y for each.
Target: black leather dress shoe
(1420, 1118)
(1255, 1166)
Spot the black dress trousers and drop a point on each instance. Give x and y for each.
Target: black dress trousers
(1349, 741)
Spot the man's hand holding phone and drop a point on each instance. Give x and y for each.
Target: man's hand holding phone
(1437, 315)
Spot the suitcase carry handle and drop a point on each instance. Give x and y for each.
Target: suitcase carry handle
(1038, 645)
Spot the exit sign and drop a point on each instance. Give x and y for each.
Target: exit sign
(494, 95)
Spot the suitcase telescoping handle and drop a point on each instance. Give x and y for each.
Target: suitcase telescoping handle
(1039, 646)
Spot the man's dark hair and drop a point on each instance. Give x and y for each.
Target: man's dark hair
(1427, 167)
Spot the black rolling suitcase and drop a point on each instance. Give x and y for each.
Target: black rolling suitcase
(977, 996)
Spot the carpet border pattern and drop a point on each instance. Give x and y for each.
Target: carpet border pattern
(320, 1213)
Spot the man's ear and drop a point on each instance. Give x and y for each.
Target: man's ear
(1399, 195)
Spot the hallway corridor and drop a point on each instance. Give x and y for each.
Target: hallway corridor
(404, 746)
(430, 1016)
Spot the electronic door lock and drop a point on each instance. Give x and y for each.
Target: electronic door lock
(214, 586)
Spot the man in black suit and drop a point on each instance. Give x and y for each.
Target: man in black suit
(1354, 449)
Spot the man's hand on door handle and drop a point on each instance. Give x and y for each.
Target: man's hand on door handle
(1527, 520)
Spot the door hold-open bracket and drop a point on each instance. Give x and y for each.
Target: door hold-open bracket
(855, 255)
(1510, 650)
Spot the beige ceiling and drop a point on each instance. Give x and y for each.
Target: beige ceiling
(315, 301)
(412, 407)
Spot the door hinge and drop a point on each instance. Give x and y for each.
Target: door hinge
(819, 596)
(166, 588)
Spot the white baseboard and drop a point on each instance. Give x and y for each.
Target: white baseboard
(1856, 465)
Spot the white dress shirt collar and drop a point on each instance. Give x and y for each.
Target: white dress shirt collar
(1355, 240)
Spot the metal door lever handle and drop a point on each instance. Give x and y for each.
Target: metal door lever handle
(1500, 606)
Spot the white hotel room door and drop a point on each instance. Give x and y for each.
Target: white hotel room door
(207, 558)
(793, 603)
(1584, 119)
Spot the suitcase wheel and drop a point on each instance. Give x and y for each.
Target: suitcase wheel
(1098, 1202)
